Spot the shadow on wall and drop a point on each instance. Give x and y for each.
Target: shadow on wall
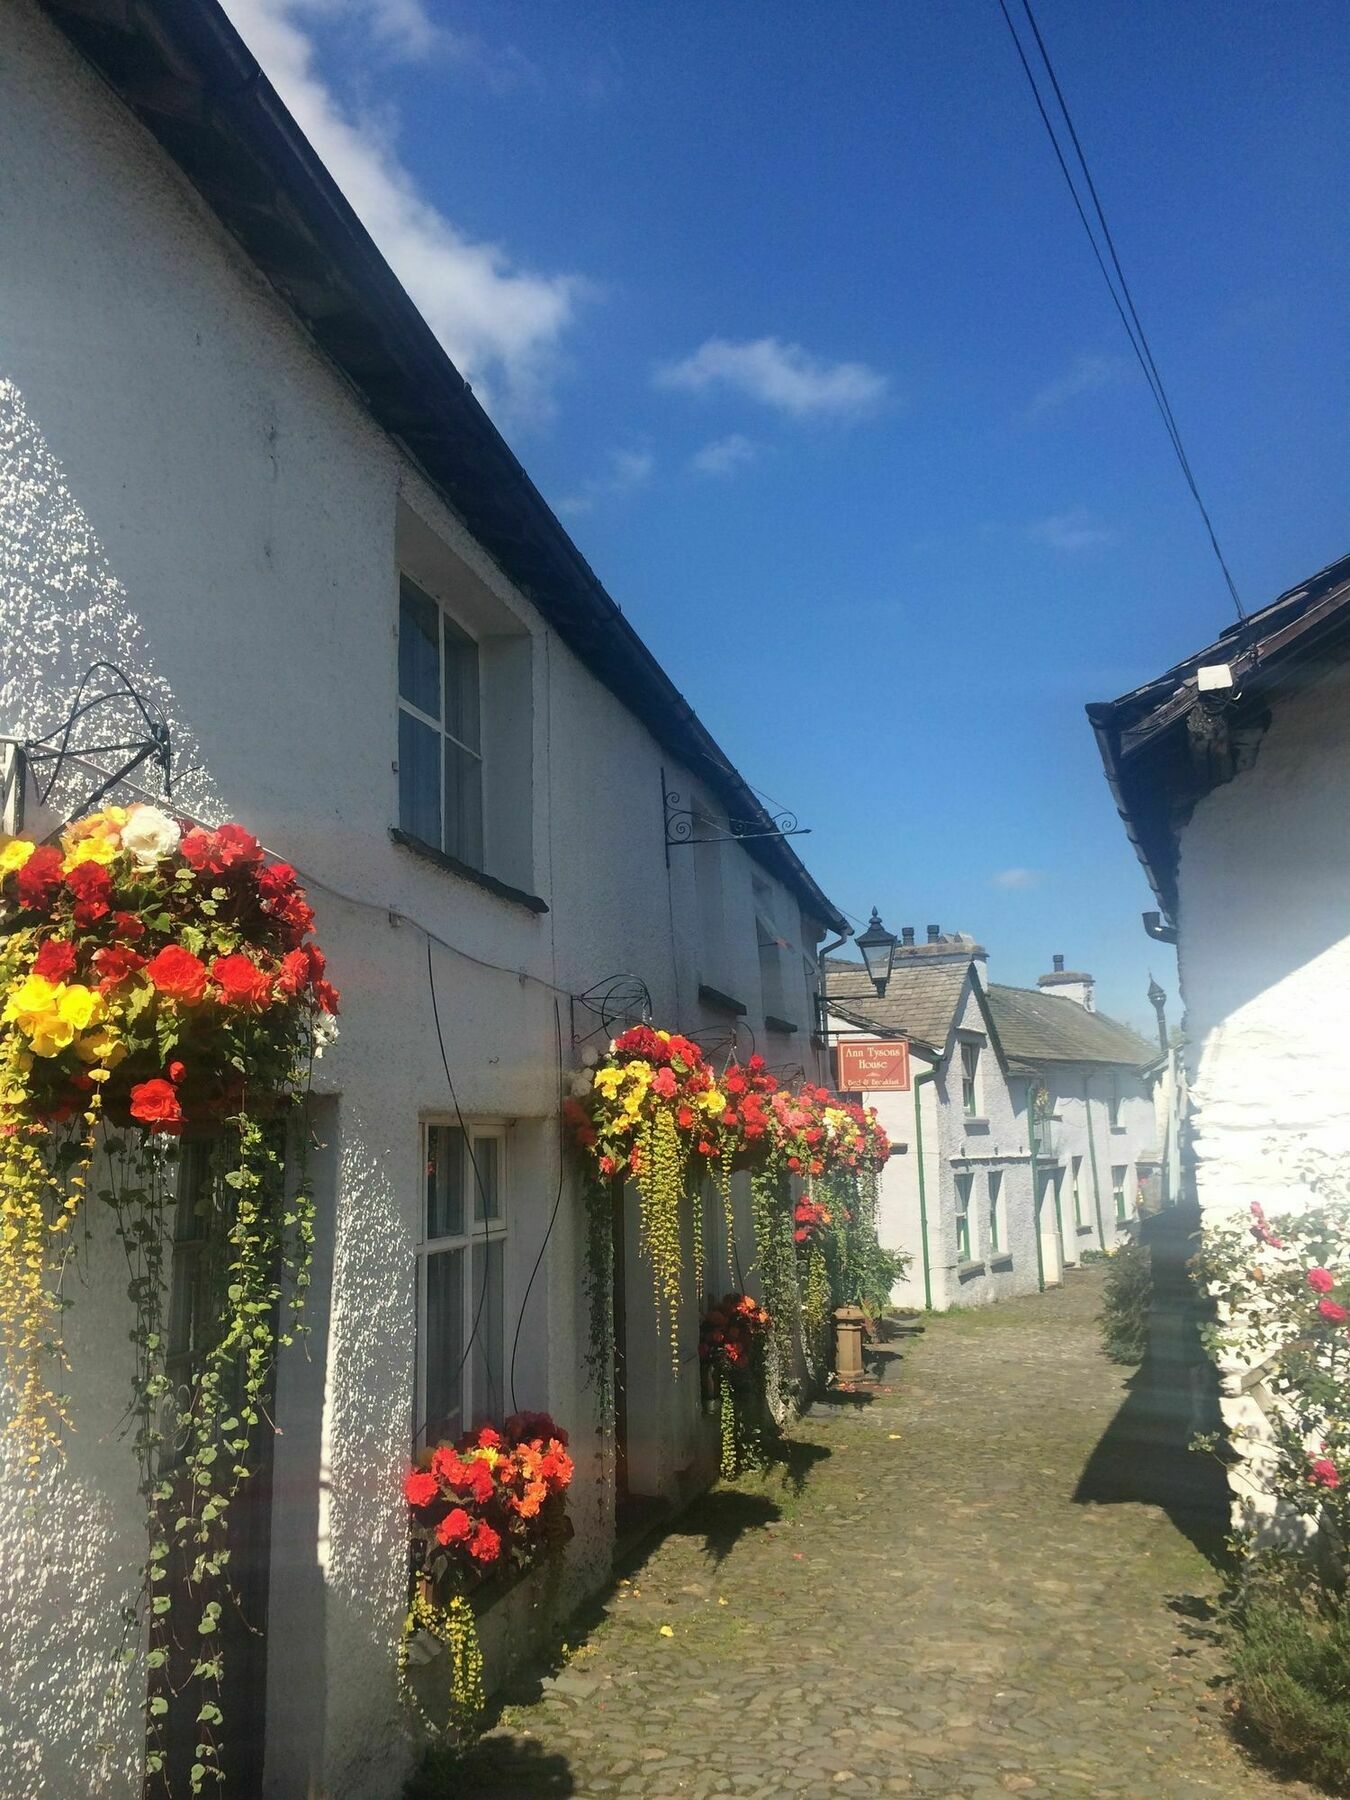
(1144, 1455)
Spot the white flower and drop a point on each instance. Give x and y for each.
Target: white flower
(150, 835)
(325, 1033)
(580, 1084)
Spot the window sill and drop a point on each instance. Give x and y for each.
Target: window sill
(966, 1270)
(1001, 1261)
(1084, 1230)
(453, 866)
(1118, 1130)
(976, 1122)
(773, 1023)
(716, 1001)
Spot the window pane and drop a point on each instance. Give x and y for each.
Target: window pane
(463, 805)
(489, 1401)
(419, 662)
(487, 1185)
(419, 779)
(444, 1345)
(461, 686)
(445, 1181)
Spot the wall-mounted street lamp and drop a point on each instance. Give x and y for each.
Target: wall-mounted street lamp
(878, 952)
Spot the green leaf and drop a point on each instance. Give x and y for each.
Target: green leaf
(160, 1604)
(158, 1707)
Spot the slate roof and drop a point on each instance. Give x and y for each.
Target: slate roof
(1032, 1026)
(920, 1000)
(1036, 1027)
(184, 71)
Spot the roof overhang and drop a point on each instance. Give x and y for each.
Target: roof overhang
(187, 75)
(1165, 746)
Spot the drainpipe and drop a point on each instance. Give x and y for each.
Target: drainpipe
(1092, 1156)
(919, 1080)
(1035, 1187)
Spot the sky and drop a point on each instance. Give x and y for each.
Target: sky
(785, 309)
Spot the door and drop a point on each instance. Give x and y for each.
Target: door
(194, 1277)
(1049, 1226)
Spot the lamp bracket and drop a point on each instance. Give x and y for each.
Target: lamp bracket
(116, 722)
(683, 825)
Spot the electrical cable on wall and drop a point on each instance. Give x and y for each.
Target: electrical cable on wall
(1122, 299)
(553, 1216)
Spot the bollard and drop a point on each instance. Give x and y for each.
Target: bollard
(848, 1342)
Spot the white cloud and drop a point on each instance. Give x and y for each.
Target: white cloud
(1012, 880)
(625, 470)
(1084, 376)
(724, 456)
(501, 324)
(1070, 531)
(779, 375)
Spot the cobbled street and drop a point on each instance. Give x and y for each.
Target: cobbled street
(918, 1605)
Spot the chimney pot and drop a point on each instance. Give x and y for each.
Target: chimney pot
(1058, 962)
(906, 934)
(933, 933)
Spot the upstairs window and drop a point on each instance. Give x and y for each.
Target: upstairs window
(1113, 1102)
(771, 947)
(440, 754)
(970, 1080)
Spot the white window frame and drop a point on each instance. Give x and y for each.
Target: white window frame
(475, 1232)
(994, 1187)
(1075, 1175)
(440, 725)
(1113, 1103)
(1119, 1191)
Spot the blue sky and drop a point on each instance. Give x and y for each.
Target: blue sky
(785, 309)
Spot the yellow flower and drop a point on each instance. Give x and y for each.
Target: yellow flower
(101, 1046)
(107, 823)
(97, 849)
(80, 1006)
(712, 1101)
(14, 853)
(608, 1082)
(34, 996)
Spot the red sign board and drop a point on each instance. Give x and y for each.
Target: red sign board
(872, 1063)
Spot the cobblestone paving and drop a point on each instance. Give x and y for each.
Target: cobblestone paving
(918, 1606)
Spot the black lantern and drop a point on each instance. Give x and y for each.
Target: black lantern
(878, 952)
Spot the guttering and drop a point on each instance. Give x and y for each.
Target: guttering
(1036, 1196)
(919, 1080)
(1092, 1157)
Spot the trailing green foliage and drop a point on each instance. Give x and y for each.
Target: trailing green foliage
(1126, 1302)
(1291, 1674)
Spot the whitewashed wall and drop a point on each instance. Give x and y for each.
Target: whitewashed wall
(1083, 1133)
(185, 486)
(1264, 952)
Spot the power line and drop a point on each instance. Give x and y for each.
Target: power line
(1122, 299)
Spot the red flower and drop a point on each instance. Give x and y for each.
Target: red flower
(91, 885)
(1321, 1281)
(486, 1545)
(276, 881)
(242, 983)
(489, 1438)
(1333, 1312)
(217, 852)
(455, 1527)
(293, 976)
(55, 960)
(1323, 1473)
(114, 964)
(155, 1104)
(39, 877)
(128, 926)
(421, 1488)
(664, 1084)
(176, 1071)
(684, 1118)
(177, 974)
(326, 996)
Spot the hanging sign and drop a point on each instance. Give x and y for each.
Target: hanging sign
(869, 1064)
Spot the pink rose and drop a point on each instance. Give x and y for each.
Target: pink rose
(1333, 1312)
(1321, 1281)
(1323, 1473)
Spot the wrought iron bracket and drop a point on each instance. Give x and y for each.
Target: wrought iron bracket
(683, 824)
(145, 738)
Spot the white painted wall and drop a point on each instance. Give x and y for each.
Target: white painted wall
(186, 487)
(1264, 953)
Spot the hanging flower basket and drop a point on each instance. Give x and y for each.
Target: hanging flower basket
(156, 980)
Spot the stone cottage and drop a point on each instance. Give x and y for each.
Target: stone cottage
(1028, 1129)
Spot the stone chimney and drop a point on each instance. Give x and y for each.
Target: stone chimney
(1068, 984)
(938, 947)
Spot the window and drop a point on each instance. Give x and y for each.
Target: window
(964, 1183)
(970, 1071)
(440, 757)
(995, 1207)
(460, 1279)
(771, 946)
(1118, 1175)
(1113, 1102)
(1075, 1177)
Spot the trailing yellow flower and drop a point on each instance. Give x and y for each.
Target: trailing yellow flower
(14, 853)
(95, 849)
